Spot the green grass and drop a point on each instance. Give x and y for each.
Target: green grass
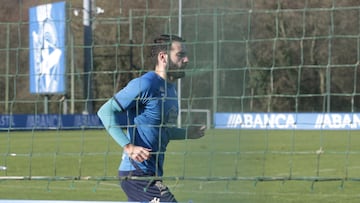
(224, 166)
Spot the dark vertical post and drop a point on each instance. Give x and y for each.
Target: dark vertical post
(88, 95)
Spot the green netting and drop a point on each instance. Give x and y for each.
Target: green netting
(246, 56)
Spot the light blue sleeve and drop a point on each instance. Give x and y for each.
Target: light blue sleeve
(107, 114)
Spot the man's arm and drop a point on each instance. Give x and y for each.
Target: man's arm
(107, 114)
(191, 132)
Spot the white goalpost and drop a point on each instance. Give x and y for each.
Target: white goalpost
(207, 116)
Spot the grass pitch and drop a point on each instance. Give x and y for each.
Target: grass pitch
(224, 166)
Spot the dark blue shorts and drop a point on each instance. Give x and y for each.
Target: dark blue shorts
(144, 190)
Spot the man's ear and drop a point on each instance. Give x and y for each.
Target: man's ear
(162, 57)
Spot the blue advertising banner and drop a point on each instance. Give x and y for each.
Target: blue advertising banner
(53, 121)
(256, 121)
(47, 31)
(288, 121)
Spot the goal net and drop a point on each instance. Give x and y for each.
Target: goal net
(274, 81)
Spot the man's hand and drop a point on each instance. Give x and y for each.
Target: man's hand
(195, 132)
(137, 153)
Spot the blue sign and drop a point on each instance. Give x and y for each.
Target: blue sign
(256, 121)
(288, 121)
(53, 121)
(47, 31)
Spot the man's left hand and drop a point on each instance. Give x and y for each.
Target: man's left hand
(195, 132)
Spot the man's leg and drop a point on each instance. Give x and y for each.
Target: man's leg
(143, 190)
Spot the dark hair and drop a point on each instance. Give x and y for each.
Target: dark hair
(163, 43)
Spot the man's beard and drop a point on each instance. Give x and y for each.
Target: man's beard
(174, 71)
